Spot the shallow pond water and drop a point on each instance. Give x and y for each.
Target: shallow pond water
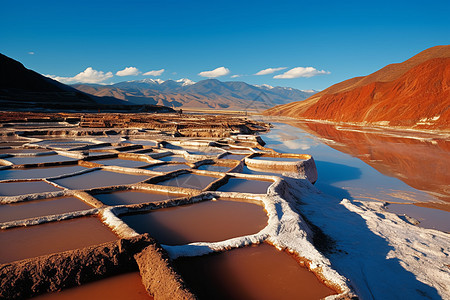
(214, 168)
(98, 178)
(123, 286)
(39, 159)
(168, 167)
(245, 186)
(234, 156)
(192, 181)
(370, 164)
(258, 272)
(207, 221)
(25, 242)
(134, 197)
(35, 173)
(39, 208)
(173, 158)
(121, 162)
(26, 187)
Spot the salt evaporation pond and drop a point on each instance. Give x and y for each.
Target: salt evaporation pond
(214, 168)
(39, 208)
(255, 272)
(134, 197)
(121, 162)
(234, 156)
(173, 158)
(98, 178)
(168, 167)
(22, 160)
(241, 185)
(207, 221)
(26, 187)
(192, 181)
(34, 173)
(118, 287)
(32, 241)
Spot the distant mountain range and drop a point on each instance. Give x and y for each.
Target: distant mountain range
(21, 88)
(412, 94)
(205, 94)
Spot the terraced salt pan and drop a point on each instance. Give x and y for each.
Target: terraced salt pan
(192, 181)
(254, 272)
(26, 242)
(168, 167)
(256, 171)
(242, 185)
(35, 173)
(38, 159)
(26, 187)
(214, 168)
(22, 150)
(39, 208)
(98, 178)
(134, 197)
(270, 158)
(121, 162)
(123, 286)
(207, 221)
(233, 156)
(173, 158)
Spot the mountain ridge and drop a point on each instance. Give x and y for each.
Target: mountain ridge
(208, 93)
(414, 93)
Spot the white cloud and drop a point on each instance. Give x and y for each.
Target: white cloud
(154, 73)
(31, 53)
(270, 71)
(87, 76)
(301, 72)
(236, 76)
(128, 71)
(221, 71)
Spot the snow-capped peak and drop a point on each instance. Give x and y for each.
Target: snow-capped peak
(154, 81)
(265, 86)
(309, 91)
(185, 81)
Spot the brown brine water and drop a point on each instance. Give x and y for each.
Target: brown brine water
(134, 197)
(208, 221)
(99, 178)
(255, 272)
(245, 186)
(192, 181)
(26, 187)
(26, 242)
(39, 208)
(124, 286)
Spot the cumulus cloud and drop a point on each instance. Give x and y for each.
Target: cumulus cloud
(87, 76)
(128, 71)
(301, 72)
(269, 71)
(154, 73)
(221, 71)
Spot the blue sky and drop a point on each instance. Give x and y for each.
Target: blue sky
(329, 41)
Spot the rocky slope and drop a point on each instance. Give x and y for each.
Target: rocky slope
(413, 94)
(205, 94)
(21, 88)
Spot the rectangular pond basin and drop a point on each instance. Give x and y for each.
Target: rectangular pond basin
(254, 272)
(32, 241)
(168, 167)
(256, 171)
(208, 221)
(39, 159)
(173, 158)
(233, 156)
(245, 186)
(22, 150)
(141, 142)
(35, 173)
(134, 197)
(118, 287)
(192, 181)
(98, 178)
(288, 159)
(39, 208)
(121, 162)
(27, 187)
(214, 168)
